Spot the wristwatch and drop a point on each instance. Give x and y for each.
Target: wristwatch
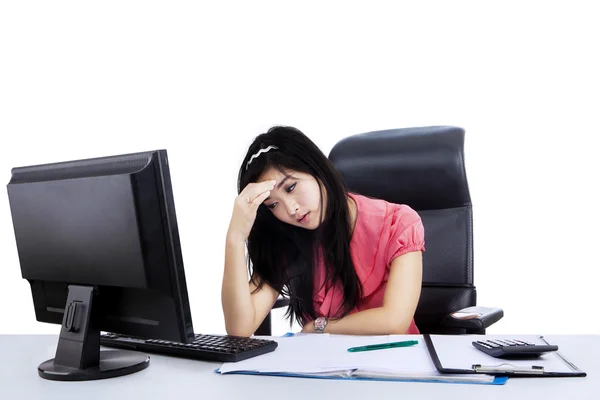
(320, 324)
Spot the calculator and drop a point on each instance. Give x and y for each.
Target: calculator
(513, 348)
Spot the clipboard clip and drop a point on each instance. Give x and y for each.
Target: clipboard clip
(508, 369)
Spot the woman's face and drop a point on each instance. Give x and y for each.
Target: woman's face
(295, 199)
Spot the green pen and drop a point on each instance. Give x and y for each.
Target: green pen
(382, 346)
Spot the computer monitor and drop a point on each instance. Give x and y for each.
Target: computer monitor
(97, 239)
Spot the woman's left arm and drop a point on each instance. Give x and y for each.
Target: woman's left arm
(399, 303)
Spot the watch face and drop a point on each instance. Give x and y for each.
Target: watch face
(320, 324)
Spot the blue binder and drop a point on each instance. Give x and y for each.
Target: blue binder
(374, 366)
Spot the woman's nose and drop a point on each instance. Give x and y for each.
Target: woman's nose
(292, 207)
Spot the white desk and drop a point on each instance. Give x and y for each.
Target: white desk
(176, 378)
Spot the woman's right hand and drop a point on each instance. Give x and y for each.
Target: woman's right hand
(245, 207)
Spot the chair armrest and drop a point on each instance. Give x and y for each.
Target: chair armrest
(264, 329)
(473, 318)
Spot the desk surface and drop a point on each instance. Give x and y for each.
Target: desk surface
(169, 377)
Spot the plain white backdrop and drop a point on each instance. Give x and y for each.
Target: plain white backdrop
(81, 79)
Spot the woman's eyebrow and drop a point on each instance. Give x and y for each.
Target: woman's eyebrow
(280, 184)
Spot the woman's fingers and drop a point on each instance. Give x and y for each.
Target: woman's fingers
(254, 190)
(259, 199)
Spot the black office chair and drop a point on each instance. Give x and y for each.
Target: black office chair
(423, 168)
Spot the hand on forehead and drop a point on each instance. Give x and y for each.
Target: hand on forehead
(273, 174)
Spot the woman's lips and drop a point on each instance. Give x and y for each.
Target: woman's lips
(304, 218)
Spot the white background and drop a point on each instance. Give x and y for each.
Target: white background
(81, 79)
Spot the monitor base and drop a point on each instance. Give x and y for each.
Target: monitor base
(112, 364)
(78, 356)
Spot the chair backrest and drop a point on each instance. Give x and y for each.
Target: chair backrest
(423, 168)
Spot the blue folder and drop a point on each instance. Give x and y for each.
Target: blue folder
(498, 380)
(356, 374)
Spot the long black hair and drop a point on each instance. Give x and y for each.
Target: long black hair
(283, 255)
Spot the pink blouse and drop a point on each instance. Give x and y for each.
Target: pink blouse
(383, 231)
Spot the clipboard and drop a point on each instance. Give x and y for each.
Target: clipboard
(463, 358)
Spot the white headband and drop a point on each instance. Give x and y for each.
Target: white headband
(258, 153)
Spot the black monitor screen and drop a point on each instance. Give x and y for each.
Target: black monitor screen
(107, 223)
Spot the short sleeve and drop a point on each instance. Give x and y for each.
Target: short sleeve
(406, 233)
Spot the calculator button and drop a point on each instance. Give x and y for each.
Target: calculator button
(520, 343)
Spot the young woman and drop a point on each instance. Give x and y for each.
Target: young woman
(349, 264)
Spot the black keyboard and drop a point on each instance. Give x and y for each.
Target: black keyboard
(204, 347)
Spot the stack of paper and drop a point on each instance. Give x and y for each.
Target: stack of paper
(327, 356)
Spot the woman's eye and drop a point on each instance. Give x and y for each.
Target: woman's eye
(291, 188)
(271, 206)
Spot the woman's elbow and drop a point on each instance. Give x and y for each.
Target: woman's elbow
(399, 326)
(239, 331)
(397, 330)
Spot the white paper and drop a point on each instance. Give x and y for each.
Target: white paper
(318, 354)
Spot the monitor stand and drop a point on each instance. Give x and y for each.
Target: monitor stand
(78, 356)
